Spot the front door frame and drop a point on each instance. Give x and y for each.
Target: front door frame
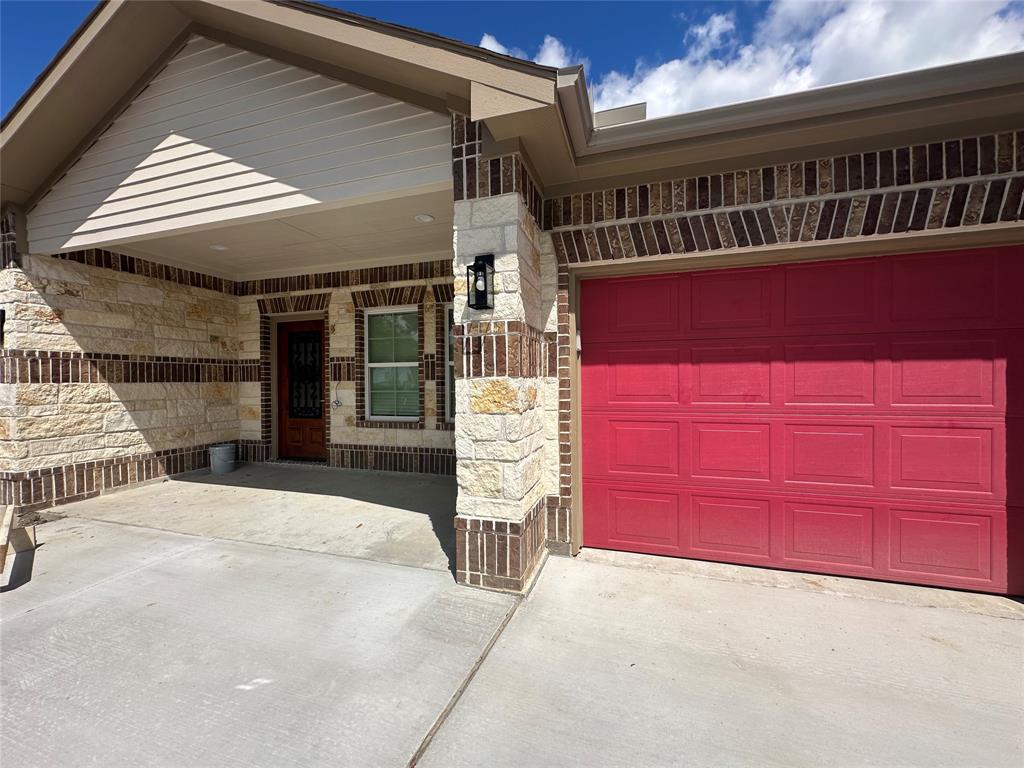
(280, 379)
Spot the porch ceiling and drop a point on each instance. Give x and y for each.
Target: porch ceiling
(372, 234)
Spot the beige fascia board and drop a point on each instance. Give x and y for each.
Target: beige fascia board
(429, 52)
(830, 101)
(65, 59)
(486, 102)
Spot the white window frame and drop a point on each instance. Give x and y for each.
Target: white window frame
(367, 365)
(449, 361)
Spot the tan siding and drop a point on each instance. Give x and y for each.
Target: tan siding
(222, 134)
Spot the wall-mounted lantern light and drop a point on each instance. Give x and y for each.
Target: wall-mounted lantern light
(480, 282)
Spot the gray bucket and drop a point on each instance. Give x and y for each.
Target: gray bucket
(222, 459)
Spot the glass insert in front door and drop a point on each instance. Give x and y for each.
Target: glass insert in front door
(305, 378)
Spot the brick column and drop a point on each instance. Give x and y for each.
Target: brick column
(499, 430)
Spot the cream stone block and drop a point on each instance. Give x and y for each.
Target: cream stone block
(222, 413)
(519, 479)
(493, 210)
(494, 396)
(464, 449)
(84, 393)
(479, 506)
(48, 341)
(501, 450)
(110, 319)
(36, 394)
(477, 426)
(58, 426)
(139, 293)
(480, 478)
(470, 242)
(124, 439)
(134, 420)
(103, 407)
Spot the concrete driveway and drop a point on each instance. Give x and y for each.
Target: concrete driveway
(622, 660)
(139, 647)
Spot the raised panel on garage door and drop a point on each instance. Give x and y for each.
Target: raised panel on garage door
(860, 417)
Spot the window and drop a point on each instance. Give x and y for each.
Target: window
(392, 364)
(449, 358)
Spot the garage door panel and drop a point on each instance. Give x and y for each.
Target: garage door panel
(741, 300)
(719, 375)
(636, 307)
(722, 450)
(831, 296)
(829, 535)
(943, 290)
(949, 373)
(637, 519)
(941, 459)
(730, 525)
(831, 455)
(851, 417)
(633, 374)
(1010, 277)
(831, 373)
(957, 545)
(638, 448)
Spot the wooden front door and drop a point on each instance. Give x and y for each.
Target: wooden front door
(301, 390)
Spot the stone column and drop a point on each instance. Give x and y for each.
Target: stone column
(499, 413)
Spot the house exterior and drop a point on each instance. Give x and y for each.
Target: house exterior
(786, 333)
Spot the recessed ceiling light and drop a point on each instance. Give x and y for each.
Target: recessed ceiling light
(423, 218)
(218, 247)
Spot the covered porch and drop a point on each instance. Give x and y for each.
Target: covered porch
(398, 518)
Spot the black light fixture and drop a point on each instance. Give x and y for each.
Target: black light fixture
(480, 282)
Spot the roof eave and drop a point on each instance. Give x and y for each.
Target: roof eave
(829, 101)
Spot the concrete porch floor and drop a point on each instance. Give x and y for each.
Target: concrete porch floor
(390, 517)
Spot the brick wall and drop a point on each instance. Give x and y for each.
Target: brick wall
(962, 184)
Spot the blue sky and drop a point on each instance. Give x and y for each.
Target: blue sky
(677, 57)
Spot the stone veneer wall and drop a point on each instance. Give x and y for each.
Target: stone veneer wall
(108, 377)
(426, 445)
(962, 184)
(503, 361)
(117, 370)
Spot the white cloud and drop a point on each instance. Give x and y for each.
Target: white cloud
(800, 45)
(551, 53)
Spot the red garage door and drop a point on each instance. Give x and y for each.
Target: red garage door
(859, 417)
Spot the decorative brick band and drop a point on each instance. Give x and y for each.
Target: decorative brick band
(343, 369)
(503, 348)
(254, 450)
(306, 302)
(102, 259)
(475, 176)
(498, 554)
(389, 458)
(903, 166)
(846, 216)
(118, 262)
(35, 366)
(52, 486)
(394, 273)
